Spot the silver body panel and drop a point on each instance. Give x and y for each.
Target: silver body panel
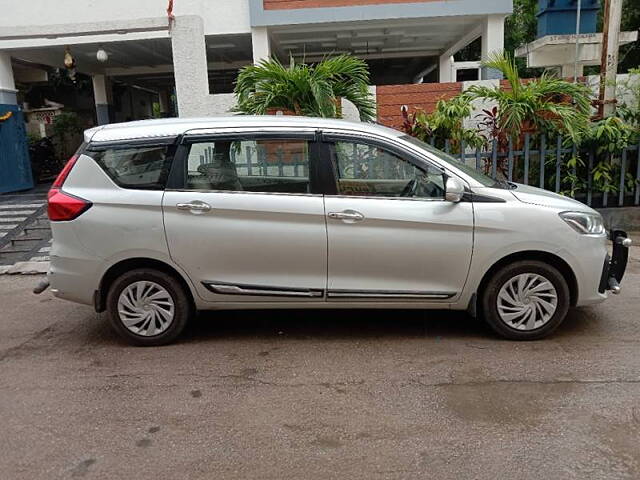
(400, 245)
(270, 250)
(249, 239)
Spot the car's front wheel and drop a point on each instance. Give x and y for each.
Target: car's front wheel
(147, 307)
(526, 300)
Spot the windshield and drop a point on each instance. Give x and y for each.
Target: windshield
(472, 172)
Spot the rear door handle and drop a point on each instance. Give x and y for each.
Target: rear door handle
(349, 215)
(195, 206)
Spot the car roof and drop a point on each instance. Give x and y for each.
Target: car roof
(171, 127)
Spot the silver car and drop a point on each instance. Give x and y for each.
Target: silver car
(154, 220)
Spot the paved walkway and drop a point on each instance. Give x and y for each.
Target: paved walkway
(25, 235)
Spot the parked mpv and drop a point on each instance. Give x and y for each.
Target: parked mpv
(153, 220)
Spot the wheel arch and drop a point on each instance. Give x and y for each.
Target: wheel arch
(546, 257)
(117, 269)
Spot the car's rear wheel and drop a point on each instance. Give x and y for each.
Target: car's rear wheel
(148, 307)
(526, 300)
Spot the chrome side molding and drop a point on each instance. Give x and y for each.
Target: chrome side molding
(257, 290)
(260, 290)
(389, 294)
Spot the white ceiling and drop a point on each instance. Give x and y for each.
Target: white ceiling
(138, 53)
(121, 54)
(381, 39)
(150, 61)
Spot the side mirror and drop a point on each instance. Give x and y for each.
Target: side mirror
(454, 190)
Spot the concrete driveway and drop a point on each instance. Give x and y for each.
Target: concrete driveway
(299, 395)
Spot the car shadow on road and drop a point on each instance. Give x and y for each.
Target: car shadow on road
(347, 324)
(333, 324)
(223, 325)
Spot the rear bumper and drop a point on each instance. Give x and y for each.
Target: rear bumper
(615, 264)
(74, 279)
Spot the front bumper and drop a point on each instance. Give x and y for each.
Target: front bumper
(616, 264)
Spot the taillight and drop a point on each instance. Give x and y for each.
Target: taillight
(64, 206)
(64, 173)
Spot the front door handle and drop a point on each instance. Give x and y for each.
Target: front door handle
(196, 206)
(349, 215)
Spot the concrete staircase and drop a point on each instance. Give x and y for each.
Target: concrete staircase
(25, 234)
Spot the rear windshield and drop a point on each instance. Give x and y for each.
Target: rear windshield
(137, 167)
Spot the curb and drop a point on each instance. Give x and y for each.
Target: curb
(25, 268)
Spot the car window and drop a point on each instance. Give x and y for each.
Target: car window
(143, 167)
(483, 179)
(368, 170)
(250, 165)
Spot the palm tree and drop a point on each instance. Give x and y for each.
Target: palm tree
(545, 104)
(312, 90)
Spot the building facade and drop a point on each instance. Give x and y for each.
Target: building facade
(191, 52)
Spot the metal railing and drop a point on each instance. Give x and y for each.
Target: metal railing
(599, 179)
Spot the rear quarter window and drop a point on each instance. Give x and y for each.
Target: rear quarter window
(137, 167)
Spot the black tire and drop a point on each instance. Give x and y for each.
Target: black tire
(489, 299)
(182, 306)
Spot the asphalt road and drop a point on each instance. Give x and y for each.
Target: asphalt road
(300, 395)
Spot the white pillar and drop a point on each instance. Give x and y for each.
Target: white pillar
(190, 66)
(101, 99)
(492, 42)
(7, 84)
(260, 43)
(446, 69)
(613, 43)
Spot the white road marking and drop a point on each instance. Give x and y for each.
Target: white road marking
(12, 219)
(16, 212)
(21, 205)
(39, 259)
(44, 249)
(7, 227)
(26, 268)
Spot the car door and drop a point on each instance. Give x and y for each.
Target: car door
(244, 220)
(391, 234)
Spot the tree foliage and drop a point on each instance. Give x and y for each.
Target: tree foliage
(547, 108)
(445, 123)
(630, 54)
(544, 104)
(521, 26)
(628, 107)
(306, 89)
